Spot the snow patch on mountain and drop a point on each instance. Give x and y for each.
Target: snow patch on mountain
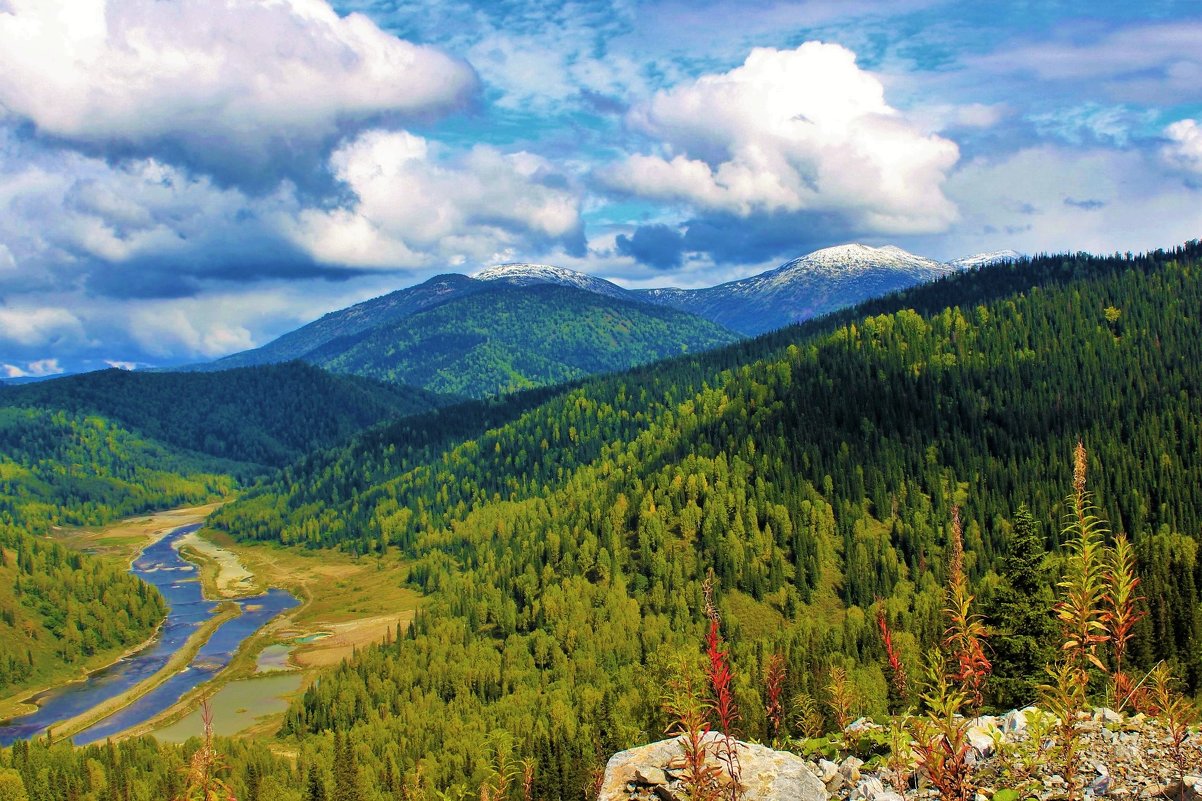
(985, 259)
(522, 274)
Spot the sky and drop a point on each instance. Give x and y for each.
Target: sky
(183, 179)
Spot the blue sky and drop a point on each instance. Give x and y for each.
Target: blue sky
(180, 179)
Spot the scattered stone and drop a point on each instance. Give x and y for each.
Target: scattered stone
(849, 769)
(872, 788)
(862, 726)
(1124, 758)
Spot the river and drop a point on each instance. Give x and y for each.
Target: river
(178, 580)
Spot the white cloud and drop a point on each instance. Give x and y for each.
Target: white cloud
(230, 79)
(38, 368)
(67, 218)
(120, 365)
(1142, 64)
(788, 131)
(416, 206)
(39, 326)
(1184, 150)
(1054, 199)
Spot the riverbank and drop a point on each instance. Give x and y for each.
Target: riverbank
(122, 540)
(178, 661)
(345, 603)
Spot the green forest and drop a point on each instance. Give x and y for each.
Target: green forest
(262, 416)
(814, 471)
(562, 535)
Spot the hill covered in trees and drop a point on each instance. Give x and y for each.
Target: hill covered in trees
(516, 337)
(814, 470)
(262, 416)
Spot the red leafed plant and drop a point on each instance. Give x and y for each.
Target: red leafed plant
(965, 634)
(720, 675)
(1120, 615)
(897, 671)
(774, 685)
(202, 782)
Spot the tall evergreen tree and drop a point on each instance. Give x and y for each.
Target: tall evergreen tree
(1023, 627)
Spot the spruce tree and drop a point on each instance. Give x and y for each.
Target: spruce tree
(1024, 629)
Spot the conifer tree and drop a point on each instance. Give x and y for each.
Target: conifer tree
(1024, 629)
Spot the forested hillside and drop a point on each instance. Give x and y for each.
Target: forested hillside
(59, 608)
(814, 471)
(516, 337)
(263, 416)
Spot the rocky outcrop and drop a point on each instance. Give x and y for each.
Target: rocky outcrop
(1123, 757)
(654, 773)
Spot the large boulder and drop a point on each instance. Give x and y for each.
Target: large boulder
(766, 775)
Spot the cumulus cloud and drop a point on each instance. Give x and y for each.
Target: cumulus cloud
(802, 130)
(38, 368)
(140, 228)
(231, 86)
(39, 326)
(1184, 150)
(416, 205)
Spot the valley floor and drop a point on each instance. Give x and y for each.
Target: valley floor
(346, 603)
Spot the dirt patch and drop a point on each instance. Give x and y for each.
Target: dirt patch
(346, 637)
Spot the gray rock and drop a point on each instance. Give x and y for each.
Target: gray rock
(827, 770)
(1016, 721)
(861, 725)
(850, 769)
(767, 775)
(872, 788)
(1099, 786)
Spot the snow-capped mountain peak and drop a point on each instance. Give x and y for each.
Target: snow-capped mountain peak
(848, 260)
(523, 274)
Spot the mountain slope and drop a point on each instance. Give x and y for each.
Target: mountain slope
(263, 416)
(563, 551)
(810, 286)
(351, 321)
(518, 336)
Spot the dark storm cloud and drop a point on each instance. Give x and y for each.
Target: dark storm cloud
(658, 246)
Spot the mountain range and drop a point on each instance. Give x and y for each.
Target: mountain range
(455, 333)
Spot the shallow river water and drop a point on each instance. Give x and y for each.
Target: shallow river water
(177, 579)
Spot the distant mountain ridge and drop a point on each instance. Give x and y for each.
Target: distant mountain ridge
(810, 286)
